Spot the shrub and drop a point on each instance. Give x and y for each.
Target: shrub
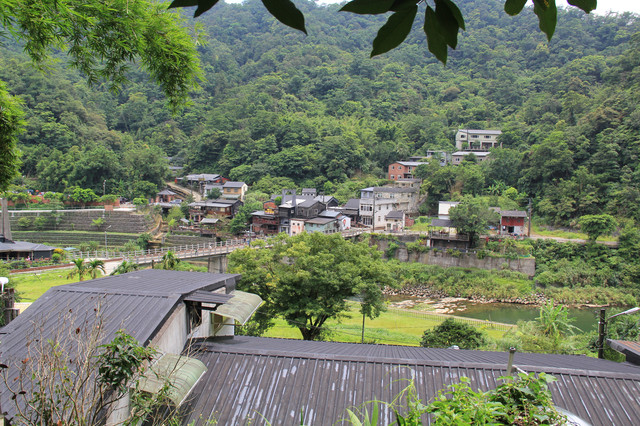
(391, 250)
(25, 222)
(40, 222)
(451, 332)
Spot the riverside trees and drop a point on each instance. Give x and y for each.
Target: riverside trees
(307, 278)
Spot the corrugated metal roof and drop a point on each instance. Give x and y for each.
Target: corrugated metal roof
(23, 246)
(138, 302)
(231, 184)
(277, 379)
(513, 213)
(446, 223)
(481, 132)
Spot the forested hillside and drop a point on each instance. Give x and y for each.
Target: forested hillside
(315, 110)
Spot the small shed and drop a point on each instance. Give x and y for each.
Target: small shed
(512, 222)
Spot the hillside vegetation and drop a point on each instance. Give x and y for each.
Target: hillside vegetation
(278, 108)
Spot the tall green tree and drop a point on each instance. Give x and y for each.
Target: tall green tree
(307, 278)
(597, 224)
(472, 216)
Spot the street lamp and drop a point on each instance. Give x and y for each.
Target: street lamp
(602, 324)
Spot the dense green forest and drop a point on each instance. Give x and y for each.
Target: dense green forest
(280, 108)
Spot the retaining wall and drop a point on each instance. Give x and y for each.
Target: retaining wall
(82, 220)
(525, 265)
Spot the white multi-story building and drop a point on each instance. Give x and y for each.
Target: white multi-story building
(377, 202)
(477, 140)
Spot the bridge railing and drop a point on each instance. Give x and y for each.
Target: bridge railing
(182, 251)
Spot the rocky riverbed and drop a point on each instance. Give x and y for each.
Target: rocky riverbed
(424, 292)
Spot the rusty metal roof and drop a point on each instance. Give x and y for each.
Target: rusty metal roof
(276, 380)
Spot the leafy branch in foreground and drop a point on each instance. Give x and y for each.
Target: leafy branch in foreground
(524, 399)
(441, 22)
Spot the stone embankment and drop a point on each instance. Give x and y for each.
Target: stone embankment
(425, 292)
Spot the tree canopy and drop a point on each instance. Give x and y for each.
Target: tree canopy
(102, 38)
(306, 279)
(472, 216)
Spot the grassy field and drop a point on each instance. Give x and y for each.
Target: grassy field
(33, 285)
(389, 328)
(569, 235)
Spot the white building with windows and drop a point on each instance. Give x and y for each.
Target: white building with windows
(477, 140)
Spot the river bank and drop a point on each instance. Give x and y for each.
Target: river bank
(585, 317)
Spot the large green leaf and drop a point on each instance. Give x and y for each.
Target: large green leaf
(286, 12)
(586, 5)
(368, 7)
(183, 3)
(203, 5)
(394, 31)
(547, 16)
(447, 22)
(435, 40)
(513, 7)
(455, 12)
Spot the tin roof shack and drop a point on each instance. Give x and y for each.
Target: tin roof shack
(351, 209)
(219, 208)
(266, 221)
(160, 308)
(326, 225)
(446, 235)
(166, 196)
(12, 250)
(284, 380)
(512, 222)
(201, 180)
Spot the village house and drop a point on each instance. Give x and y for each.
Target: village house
(458, 157)
(395, 221)
(234, 190)
(403, 169)
(218, 209)
(266, 221)
(477, 140)
(512, 222)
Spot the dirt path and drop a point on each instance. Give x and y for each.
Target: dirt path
(182, 191)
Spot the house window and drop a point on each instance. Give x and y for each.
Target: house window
(474, 136)
(487, 137)
(393, 167)
(462, 136)
(393, 177)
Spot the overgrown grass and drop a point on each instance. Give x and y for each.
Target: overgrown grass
(569, 235)
(389, 328)
(33, 285)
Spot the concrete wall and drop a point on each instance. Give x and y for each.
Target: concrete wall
(526, 265)
(173, 334)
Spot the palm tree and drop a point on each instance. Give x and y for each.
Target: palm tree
(80, 269)
(94, 266)
(125, 267)
(169, 261)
